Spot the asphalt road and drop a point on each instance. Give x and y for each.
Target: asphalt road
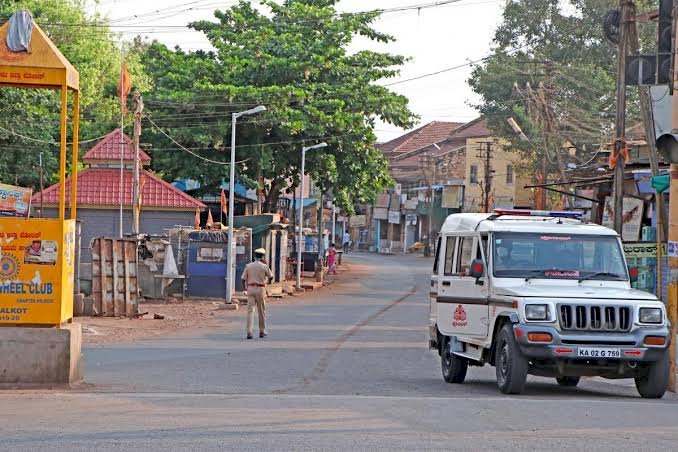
(343, 369)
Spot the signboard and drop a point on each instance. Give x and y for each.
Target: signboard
(358, 221)
(381, 213)
(632, 218)
(411, 218)
(383, 200)
(15, 201)
(451, 197)
(36, 271)
(395, 202)
(643, 250)
(411, 204)
(394, 217)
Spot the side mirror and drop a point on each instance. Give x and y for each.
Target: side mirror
(633, 274)
(477, 270)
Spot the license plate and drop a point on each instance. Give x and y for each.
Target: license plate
(594, 352)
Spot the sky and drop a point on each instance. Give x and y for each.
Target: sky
(434, 38)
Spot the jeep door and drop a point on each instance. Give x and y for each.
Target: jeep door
(462, 301)
(433, 293)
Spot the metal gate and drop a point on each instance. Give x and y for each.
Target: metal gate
(115, 288)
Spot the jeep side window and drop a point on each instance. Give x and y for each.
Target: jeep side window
(449, 255)
(465, 255)
(435, 260)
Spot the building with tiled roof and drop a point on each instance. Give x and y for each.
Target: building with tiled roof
(101, 191)
(442, 158)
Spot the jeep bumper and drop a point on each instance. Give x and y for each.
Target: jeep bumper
(566, 345)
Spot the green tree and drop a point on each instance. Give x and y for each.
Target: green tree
(92, 49)
(293, 58)
(558, 51)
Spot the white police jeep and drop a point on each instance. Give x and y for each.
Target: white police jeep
(542, 293)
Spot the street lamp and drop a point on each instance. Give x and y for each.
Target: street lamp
(230, 286)
(301, 208)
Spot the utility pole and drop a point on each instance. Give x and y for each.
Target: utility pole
(626, 7)
(651, 138)
(485, 154)
(138, 103)
(428, 166)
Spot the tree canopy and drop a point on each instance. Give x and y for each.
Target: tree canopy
(553, 71)
(293, 58)
(30, 118)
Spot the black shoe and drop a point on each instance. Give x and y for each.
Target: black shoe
(249, 336)
(263, 335)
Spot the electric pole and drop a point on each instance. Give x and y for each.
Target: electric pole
(428, 167)
(485, 154)
(136, 201)
(619, 153)
(651, 138)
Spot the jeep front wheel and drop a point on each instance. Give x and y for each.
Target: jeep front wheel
(454, 367)
(652, 383)
(511, 365)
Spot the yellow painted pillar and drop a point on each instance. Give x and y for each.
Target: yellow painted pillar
(672, 302)
(62, 154)
(74, 164)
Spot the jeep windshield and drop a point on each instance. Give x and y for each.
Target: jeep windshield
(557, 256)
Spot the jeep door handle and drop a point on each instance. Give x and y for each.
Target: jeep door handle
(446, 283)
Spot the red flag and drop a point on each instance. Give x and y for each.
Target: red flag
(197, 219)
(224, 206)
(124, 87)
(210, 221)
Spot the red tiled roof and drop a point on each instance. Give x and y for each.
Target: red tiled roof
(433, 132)
(108, 150)
(99, 187)
(472, 129)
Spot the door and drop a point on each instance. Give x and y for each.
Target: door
(462, 303)
(433, 295)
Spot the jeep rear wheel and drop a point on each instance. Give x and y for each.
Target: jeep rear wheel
(569, 382)
(510, 364)
(454, 367)
(654, 380)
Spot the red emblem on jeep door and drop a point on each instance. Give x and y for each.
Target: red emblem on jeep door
(459, 318)
(459, 314)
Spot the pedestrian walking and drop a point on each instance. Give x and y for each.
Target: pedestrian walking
(332, 259)
(256, 276)
(347, 241)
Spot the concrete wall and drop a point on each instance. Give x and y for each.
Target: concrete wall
(40, 356)
(106, 223)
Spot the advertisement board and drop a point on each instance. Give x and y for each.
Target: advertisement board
(37, 260)
(358, 221)
(15, 201)
(394, 217)
(632, 217)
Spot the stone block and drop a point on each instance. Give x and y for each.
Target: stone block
(41, 356)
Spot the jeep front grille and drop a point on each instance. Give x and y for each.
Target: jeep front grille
(594, 318)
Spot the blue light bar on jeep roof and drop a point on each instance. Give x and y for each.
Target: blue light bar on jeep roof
(540, 213)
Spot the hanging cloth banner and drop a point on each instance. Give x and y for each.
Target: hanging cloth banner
(20, 31)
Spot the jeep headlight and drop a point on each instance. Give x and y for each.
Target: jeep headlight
(650, 315)
(536, 312)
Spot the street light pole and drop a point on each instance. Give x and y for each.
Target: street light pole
(334, 221)
(230, 284)
(301, 208)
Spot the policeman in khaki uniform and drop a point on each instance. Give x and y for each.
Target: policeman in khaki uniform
(256, 276)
